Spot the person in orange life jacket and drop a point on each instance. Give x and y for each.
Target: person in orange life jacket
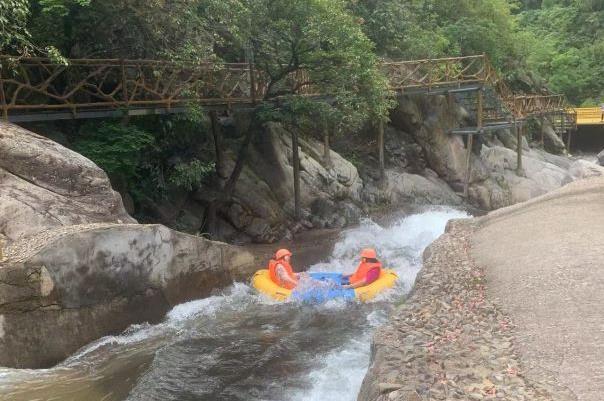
(281, 271)
(367, 272)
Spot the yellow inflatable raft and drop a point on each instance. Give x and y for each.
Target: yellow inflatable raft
(262, 282)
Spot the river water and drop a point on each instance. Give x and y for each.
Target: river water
(238, 345)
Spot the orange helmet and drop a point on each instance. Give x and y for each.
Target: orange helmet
(369, 253)
(281, 253)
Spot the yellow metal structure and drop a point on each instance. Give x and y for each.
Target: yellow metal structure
(589, 116)
(262, 282)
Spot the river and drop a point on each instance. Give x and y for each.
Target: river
(238, 345)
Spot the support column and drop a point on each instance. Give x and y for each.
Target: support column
(542, 121)
(470, 144)
(3, 99)
(466, 186)
(296, 162)
(570, 132)
(518, 130)
(381, 148)
(125, 96)
(326, 147)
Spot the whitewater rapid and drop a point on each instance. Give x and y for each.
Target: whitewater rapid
(239, 345)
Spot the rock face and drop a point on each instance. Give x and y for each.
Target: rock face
(45, 185)
(542, 173)
(72, 270)
(69, 287)
(494, 180)
(336, 183)
(399, 189)
(263, 206)
(551, 141)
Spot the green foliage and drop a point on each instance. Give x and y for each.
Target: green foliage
(117, 149)
(14, 36)
(567, 42)
(190, 175)
(61, 7)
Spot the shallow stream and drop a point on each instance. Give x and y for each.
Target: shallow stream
(238, 345)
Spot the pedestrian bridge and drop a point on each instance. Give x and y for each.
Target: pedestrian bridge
(589, 116)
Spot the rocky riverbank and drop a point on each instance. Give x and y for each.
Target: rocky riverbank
(448, 341)
(76, 266)
(505, 307)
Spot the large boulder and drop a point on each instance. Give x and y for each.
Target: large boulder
(400, 189)
(429, 120)
(268, 181)
(542, 173)
(64, 288)
(45, 185)
(551, 141)
(72, 270)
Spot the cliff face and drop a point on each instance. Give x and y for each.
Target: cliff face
(75, 266)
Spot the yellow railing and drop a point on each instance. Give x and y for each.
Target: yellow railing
(589, 116)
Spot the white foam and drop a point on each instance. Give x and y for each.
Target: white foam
(339, 375)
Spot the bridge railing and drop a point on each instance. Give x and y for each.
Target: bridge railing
(38, 84)
(435, 73)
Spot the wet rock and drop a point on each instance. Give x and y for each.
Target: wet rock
(98, 279)
(45, 185)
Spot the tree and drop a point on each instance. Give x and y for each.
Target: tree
(298, 46)
(14, 36)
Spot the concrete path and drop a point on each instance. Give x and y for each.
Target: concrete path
(544, 262)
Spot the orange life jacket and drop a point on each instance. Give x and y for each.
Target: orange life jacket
(272, 271)
(361, 272)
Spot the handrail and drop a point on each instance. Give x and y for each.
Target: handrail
(41, 84)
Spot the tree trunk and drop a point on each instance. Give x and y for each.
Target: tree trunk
(241, 157)
(226, 189)
(296, 163)
(518, 131)
(326, 148)
(211, 218)
(380, 142)
(218, 147)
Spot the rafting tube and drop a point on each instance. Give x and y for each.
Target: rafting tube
(330, 288)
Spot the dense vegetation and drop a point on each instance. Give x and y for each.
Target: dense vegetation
(536, 44)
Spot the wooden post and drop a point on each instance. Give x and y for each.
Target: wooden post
(252, 78)
(125, 98)
(326, 147)
(466, 188)
(570, 131)
(518, 148)
(3, 98)
(381, 148)
(542, 120)
(296, 163)
(211, 212)
(124, 84)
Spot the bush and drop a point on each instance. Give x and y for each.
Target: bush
(190, 175)
(117, 149)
